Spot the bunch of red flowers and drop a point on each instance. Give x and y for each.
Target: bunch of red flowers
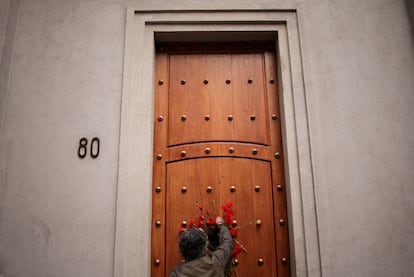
(207, 222)
(228, 216)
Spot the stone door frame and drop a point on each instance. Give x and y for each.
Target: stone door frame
(145, 24)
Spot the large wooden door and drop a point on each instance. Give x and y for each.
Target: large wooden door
(217, 139)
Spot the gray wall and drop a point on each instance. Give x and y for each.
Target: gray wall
(359, 67)
(61, 79)
(4, 16)
(57, 214)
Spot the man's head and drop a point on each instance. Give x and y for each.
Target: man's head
(193, 243)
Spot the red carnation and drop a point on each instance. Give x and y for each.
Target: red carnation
(211, 221)
(233, 232)
(200, 222)
(228, 217)
(236, 250)
(224, 208)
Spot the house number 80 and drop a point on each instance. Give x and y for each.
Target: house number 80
(83, 148)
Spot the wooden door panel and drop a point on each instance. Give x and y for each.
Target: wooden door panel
(249, 99)
(187, 183)
(217, 86)
(216, 124)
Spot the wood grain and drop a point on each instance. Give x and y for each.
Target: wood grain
(201, 147)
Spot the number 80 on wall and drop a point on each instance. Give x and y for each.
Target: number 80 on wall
(93, 147)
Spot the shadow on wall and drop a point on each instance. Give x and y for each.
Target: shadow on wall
(410, 10)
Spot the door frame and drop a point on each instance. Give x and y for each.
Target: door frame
(144, 25)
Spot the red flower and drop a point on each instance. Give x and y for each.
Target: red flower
(200, 208)
(181, 230)
(233, 232)
(211, 221)
(192, 223)
(228, 218)
(228, 213)
(236, 250)
(200, 222)
(227, 207)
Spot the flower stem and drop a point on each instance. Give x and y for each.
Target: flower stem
(241, 245)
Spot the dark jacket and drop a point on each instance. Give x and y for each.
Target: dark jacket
(211, 264)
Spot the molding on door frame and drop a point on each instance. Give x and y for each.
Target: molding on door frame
(133, 215)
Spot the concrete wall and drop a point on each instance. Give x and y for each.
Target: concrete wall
(359, 68)
(4, 16)
(58, 212)
(61, 79)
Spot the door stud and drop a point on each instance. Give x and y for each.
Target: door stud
(235, 262)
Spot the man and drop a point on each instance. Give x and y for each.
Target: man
(199, 262)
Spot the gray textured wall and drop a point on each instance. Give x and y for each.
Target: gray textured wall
(4, 16)
(63, 63)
